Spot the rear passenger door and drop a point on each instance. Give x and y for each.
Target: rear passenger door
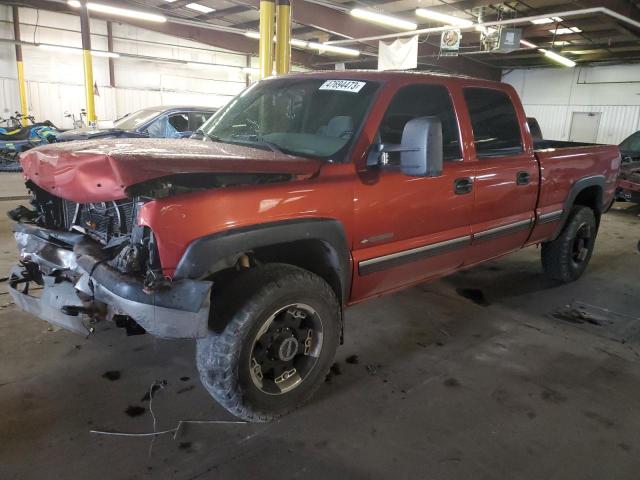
(506, 175)
(408, 229)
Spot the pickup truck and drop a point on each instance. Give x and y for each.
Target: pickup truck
(304, 195)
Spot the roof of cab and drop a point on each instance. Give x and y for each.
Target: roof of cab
(393, 75)
(189, 108)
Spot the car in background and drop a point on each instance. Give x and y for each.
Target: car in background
(629, 181)
(152, 122)
(630, 148)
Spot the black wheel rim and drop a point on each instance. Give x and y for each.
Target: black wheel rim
(581, 244)
(286, 349)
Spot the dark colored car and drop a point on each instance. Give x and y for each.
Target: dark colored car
(630, 148)
(154, 122)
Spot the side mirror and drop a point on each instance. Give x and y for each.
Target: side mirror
(420, 151)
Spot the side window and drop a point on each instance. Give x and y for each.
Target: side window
(179, 121)
(421, 101)
(196, 119)
(496, 131)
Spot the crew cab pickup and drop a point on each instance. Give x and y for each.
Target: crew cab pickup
(306, 194)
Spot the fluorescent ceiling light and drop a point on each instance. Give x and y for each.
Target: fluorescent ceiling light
(558, 58)
(528, 44)
(542, 21)
(565, 31)
(321, 47)
(383, 19)
(583, 52)
(200, 8)
(119, 12)
(561, 43)
(442, 18)
(60, 48)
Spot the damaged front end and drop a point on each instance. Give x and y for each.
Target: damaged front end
(84, 263)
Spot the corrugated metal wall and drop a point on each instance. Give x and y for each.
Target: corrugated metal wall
(617, 122)
(553, 95)
(50, 101)
(54, 79)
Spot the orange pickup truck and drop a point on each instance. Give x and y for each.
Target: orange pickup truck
(306, 194)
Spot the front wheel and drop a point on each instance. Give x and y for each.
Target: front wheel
(566, 258)
(282, 331)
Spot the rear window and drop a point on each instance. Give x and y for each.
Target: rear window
(496, 131)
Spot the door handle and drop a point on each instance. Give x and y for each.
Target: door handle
(523, 178)
(463, 185)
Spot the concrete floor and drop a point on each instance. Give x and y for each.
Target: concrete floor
(443, 388)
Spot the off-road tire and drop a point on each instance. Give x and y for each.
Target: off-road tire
(558, 260)
(223, 357)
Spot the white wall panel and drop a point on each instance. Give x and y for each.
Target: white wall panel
(55, 79)
(553, 95)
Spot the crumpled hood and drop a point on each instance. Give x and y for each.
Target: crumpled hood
(100, 170)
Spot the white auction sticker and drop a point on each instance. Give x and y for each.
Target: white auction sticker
(343, 85)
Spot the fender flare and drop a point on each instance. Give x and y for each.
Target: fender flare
(210, 254)
(576, 188)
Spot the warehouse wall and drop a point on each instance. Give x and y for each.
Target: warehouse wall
(55, 79)
(553, 94)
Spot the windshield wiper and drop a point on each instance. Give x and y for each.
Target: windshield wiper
(275, 148)
(254, 139)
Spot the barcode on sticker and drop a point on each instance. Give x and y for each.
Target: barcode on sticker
(343, 85)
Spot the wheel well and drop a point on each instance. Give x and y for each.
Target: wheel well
(313, 255)
(591, 197)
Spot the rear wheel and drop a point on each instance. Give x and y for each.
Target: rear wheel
(281, 334)
(566, 258)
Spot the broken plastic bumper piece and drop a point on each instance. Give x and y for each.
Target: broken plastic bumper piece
(65, 280)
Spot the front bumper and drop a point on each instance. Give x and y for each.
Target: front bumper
(80, 288)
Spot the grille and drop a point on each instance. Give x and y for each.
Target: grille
(103, 221)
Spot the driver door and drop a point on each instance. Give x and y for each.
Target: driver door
(408, 229)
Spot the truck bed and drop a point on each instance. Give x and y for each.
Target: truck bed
(544, 144)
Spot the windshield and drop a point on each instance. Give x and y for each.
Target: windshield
(133, 120)
(301, 116)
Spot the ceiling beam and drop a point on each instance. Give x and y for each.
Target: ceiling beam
(214, 38)
(225, 12)
(175, 5)
(344, 25)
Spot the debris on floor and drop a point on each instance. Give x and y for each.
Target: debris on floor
(135, 410)
(614, 325)
(335, 370)
(352, 359)
(153, 389)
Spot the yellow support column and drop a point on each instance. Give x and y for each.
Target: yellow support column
(85, 32)
(267, 11)
(283, 37)
(22, 86)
